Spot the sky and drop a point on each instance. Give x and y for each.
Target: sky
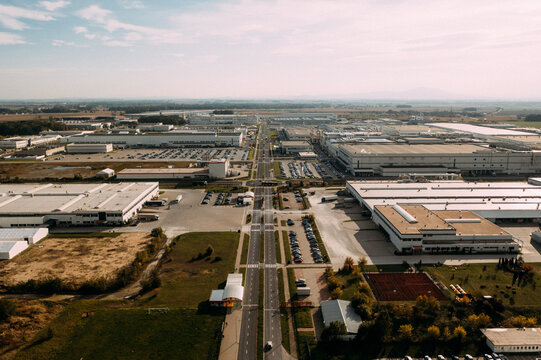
(483, 49)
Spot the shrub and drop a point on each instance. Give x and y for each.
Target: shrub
(7, 308)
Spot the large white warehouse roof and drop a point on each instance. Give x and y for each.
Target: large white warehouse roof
(66, 198)
(490, 199)
(480, 130)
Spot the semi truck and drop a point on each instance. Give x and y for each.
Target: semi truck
(148, 217)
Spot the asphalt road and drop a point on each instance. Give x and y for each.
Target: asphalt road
(262, 222)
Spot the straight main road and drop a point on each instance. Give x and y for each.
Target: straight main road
(262, 223)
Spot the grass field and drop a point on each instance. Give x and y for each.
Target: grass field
(350, 282)
(188, 281)
(305, 340)
(303, 318)
(111, 333)
(486, 279)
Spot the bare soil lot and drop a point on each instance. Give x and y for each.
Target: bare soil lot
(84, 169)
(74, 260)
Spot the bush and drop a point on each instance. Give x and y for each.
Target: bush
(7, 308)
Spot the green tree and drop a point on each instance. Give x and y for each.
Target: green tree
(433, 332)
(334, 329)
(460, 333)
(405, 332)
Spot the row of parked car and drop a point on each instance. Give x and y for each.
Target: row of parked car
(222, 198)
(314, 247)
(294, 244)
(492, 356)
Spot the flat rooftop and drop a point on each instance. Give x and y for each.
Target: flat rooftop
(162, 171)
(479, 130)
(65, 198)
(295, 143)
(405, 149)
(513, 336)
(452, 195)
(461, 222)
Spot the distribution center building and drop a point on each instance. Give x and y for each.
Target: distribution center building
(33, 205)
(413, 229)
(396, 159)
(490, 200)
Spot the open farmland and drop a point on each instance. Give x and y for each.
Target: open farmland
(73, 259)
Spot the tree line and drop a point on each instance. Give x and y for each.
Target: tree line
(29, 127)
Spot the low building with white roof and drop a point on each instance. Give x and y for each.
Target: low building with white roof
(513, 340)
(231, 295)
(341, 311)
(33, 205)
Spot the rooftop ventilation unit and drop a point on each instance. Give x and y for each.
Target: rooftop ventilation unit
(406, 215)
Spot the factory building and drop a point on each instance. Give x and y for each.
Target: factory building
(162, 173)
(395, 159)
(34, 205)
(413, 229)
(301, 118)
(13, 143)
(222, 119)
(160, 127)
(217, 169)
(30, 235)
(295, 147)
(88, 148)
(165, 139)
(514, 340)
(490, 200)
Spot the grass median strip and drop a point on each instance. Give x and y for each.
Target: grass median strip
(287, 249)
(245, 246)
(277, 247)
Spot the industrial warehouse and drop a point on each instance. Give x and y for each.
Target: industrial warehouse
(414, 229)
(490, 200)
(396, 159)
(33, 205)
(162, 139)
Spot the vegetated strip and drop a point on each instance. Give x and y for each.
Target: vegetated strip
(245, 247)
(287, 249)
(277, 246)
(85, 235)
(262, 247)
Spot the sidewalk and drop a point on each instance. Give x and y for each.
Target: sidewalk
(231, 335)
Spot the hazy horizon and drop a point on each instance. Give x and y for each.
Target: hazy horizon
(336, 50)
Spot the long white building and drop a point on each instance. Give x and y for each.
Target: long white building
(395, 159)
(223, 119)
(491, 200)
(33, 205)
(165, 139)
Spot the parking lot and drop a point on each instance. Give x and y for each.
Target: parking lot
(170, 154)
(190, 215)
(302, 241)
(292, 201)
(303, 170)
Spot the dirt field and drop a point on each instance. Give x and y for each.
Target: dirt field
(74, 260)
(41, 170)
(402, 287)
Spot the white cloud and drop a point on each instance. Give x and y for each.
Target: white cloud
(11, 39)
(10, 16)
(133, 33)
(53, 5)
(66, 43)
(132, 4)
(80, 30)
(117, 43)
